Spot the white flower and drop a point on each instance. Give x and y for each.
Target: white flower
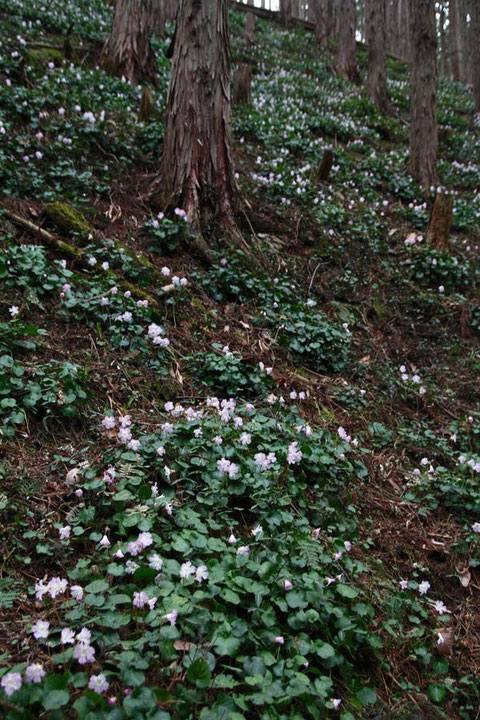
(84, 636)
(257, 531)
(35, 673)
(57, 586)
(76, 592)
(476, 527)
(68, 636)
(424, 587)
(84, 653)
(155, 562)
(336, 702)
(64, 532)
(140, 599)
(40, 629)
(98, 683)
(232, 539)
(104, 542)
(13, 310)
(108, 422)
(201, 573)
(40, 589)
(440, 607)
(243, 550)
(186, 570)
(172, 617)
(403, 584)
(11, 682)
(280, 640)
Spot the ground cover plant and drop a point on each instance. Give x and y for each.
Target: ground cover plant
(247, 489)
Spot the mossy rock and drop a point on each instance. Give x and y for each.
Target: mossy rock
(39, 58)
(67, 218)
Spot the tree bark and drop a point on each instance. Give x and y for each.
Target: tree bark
(346, 65)
(196, 169)
(443, 64)
(440, 221)
(250, 28)
(475, 34)
(242, 83)
(377, 59)
(325, 166)
(423, 86)
(159, 17)
(454, 39)
(127, 51)
(320, 8)
(286, 11)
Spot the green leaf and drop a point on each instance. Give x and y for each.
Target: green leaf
(346, 591)
(199, 673)
(55, 699)
(436, 693)
(97, 586)
(325, 651)
(367, 696)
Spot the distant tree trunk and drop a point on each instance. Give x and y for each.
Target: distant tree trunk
(320, 9)
(127, 51)
(346, 65)
(242, 83)
(250, 28)
(454, 38)
(440, 221)
(443, 61)
(196, 169)
(423, 85)
(475, 35)
(159, 17)
(377, 67)
(286, 10)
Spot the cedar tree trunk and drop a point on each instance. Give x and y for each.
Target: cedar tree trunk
(127, 51)
(377, 68)
(286, 11)
(346, 65)
(196, 169)
(423, 87)
(321, 20)
(475, 35)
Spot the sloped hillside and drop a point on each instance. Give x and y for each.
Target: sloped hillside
(248, 489)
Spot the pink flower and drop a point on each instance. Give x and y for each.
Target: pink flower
(11, 682)
(287, 585)
(280, 640)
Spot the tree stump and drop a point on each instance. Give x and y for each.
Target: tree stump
(325, 166)
(250, 28)
(440, 221)
(242, 92)
(146, 105)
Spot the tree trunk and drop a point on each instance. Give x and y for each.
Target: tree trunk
(423, 85)
(440, 221)
(475, 35)
(377, 68)
(159, 17)
(454, 39)
(321, 20)
(286, 10)
(127, 51)
(196, 169)
(346, 65)
(325, 166)
(242, 83)
(443, 64)
(250, 28)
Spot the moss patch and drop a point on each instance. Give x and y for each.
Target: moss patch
(67, 218)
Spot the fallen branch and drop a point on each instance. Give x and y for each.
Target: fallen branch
(78, 255)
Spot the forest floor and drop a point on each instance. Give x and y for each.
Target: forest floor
(254, 485)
